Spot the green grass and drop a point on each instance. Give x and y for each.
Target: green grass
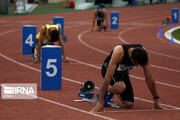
(176, 34)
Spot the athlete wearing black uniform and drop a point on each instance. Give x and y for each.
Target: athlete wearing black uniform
(100, 15)
(115, 71)
(122, 72)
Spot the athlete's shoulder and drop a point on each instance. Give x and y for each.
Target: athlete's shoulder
(118, 53)
(118, 49)
(43, 29)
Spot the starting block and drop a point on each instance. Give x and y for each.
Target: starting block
(28, 38)
(60, 21)
(114, 20)
(175, 15)
(86, 97)
(51, 67)
(86, 93)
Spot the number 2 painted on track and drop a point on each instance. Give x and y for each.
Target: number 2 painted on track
(114, 20)
(29, 40)
(49, 65)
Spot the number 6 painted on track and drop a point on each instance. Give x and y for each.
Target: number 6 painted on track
(49, 65)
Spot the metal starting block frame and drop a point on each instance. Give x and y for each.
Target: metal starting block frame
(86, 97)
(86, 100)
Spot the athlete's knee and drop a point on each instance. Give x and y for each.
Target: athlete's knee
(128, 104)
(120, 87)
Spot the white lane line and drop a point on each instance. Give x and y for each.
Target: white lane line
(169, 106)
(53, 102)
(94, 66)
(141, 99)
(146, 110)
(165, 55)
(121, 39)
(2, 33)
(79, 37)
(165, 40)
(101, 51)
(173, 107)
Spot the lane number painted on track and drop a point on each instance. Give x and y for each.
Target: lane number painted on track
(114, 22)
(29, 40)
(50, 64)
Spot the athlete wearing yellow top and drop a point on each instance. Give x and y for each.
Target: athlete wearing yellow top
(48, 35)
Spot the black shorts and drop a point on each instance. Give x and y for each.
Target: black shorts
(47, 42)
(128, 94)
(99, 22)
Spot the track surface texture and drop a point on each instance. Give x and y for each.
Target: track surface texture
(87, 50)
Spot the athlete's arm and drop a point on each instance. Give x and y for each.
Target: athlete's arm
(41, 38)
(151, 84)
(106, 18)
(62, 46)
(94, 19)
(115, 59)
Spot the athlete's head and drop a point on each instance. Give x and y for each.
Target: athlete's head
(139, 56)
(101, 5)
(54, 35)
(100, 14)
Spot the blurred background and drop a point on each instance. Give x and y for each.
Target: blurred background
(19, 7)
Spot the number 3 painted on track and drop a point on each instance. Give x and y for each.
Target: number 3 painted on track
(49, 65)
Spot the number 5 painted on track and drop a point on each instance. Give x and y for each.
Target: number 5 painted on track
(49, 65)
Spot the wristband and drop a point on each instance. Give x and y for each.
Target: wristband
(156, 97)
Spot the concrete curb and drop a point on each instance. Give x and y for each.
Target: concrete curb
(167, 34)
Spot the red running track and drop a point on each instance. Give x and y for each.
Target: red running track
(86, 50)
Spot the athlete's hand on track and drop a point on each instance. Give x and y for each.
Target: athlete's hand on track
(157, 106)
(36, 61)
(97, 108)
(66, 61)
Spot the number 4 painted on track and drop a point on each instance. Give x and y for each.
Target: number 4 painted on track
(29, 40)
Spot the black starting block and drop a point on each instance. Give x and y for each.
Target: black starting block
(86, 93)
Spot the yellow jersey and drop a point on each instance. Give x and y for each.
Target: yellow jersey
(47, 32)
